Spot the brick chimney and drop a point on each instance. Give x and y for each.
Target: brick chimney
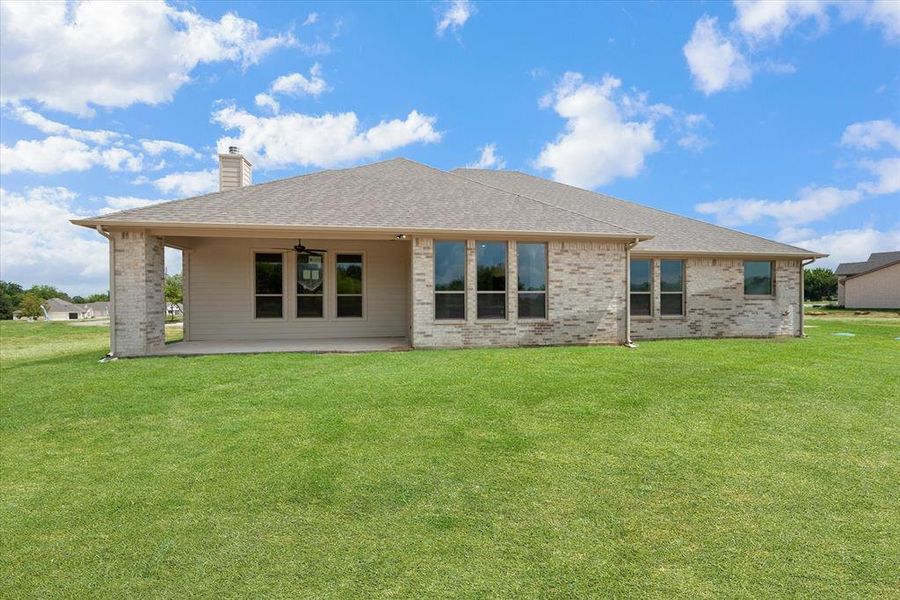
(235, 171)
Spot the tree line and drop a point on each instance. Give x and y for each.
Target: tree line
(14, 297)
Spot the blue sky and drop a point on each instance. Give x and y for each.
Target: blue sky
(780, 119)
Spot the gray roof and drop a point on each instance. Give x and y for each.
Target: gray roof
(60, 305)
(397, 195)
(97, 305)
(407, 197)
(671, 233)
(876, 260)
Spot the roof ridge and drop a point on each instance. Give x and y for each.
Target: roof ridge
(544, 202)
(666, 212)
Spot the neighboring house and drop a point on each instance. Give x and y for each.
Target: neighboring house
(444, 259)
(173, 309)
(874, 283)
(97, 310)
(57, 309)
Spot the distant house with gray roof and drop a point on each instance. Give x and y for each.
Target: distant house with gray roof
(460, 258)
(57, 309)
(874, 283)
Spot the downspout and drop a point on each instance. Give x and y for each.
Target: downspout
(803, 265)
(112, 291)
(628, 248)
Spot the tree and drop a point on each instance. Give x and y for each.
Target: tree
(78, 299)
(98, 297)
(31, 305)
(173, 290)
(10, 297)
(819, 284)
(48, 291)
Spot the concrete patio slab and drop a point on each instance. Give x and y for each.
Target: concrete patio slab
(349, 345)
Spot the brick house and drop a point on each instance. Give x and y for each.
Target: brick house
(397, 250)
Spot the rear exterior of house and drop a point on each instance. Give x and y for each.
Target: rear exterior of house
(874, 283)
(467, 258)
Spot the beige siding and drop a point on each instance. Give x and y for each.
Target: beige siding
(234, 172)
(878, 289)
(220, 291)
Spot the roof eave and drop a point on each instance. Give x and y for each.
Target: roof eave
(800, 253)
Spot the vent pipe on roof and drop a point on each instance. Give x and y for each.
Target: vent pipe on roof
(235, 171)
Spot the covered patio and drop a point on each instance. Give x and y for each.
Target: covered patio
(314, 346)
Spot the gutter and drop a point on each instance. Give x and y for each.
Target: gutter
(803, 265)
(112, 291)
(628, 247)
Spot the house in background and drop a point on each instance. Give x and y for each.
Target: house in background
(398, 250)
(57, 309)
(874, 283)
(96, 310)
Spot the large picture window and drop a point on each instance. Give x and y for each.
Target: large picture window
(641, 287)
(449, 280)
(490, 260)
(310, 286)
(349, 271)
(269, 285)
(671, 284)
(532, 274)
(759, 278)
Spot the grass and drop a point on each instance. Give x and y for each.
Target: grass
(727, 468)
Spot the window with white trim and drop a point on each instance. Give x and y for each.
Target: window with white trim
(349, 285)
(269, 285)
(449, 280)
(532, 274)
(490, 261)
(641, 287)
(671, 287)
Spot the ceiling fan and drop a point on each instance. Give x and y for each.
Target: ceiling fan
(301, 249)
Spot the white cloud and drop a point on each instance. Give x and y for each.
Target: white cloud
(694, 142)
(812, 204)
(887, 172)
(851, 245)
(715, 62)
(489, 159)
(57, 154)
(871, 135)
(599, 144)
(72, 57)
(117, 203)
(311, 19)
(268, 101)
(45, 125)
(321, 141)
(768, 20)
(157, 147)
(296, 84)
(188, 183)
(454, 16)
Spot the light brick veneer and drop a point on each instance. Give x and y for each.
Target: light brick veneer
(139, 310)
(586, 300)
(715, 305)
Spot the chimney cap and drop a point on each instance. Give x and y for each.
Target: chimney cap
(233, 150)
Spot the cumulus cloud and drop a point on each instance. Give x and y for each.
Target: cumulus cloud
(311, 19)
(851, 245)
(75, 56)
(45, 125)
(267, 101)
(872, 135)
(57, 154)
(320, 141)
(117, 203)
(768, 21)
(489, 159)
(715, 62)
(599, 143)
(157, 147)
(188, 183)
(296, 84)
(887, 174)
(454, 16)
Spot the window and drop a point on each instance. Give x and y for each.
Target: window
(532, 273)
(73, 316)
(758, 278)
(449, 280)
(269, 288)
(349, 270)
(490, 259)
(640, 287)
(310, 286)
(671, 287)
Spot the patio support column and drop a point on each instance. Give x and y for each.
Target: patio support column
(137, 281)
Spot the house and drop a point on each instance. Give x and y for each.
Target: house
(57, 309)
(874, 283)
(466, 258)
(96, 310)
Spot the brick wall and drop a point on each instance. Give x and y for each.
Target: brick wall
(586, 301)
(715, 305)
(138, 326)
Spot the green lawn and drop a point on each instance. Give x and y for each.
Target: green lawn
(721, 468)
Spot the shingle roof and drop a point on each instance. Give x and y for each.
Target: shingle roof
(876, 260)
(671, 233)
(60, 305)
(398, 195)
